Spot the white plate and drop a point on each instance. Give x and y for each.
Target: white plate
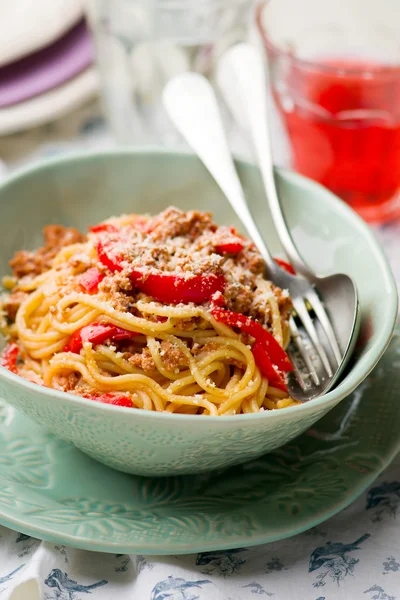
(27, 26)
(49, 106)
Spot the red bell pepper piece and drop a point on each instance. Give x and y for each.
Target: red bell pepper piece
(217, 299)
(170, 288)
(230, 246)
(276, 353)
(229, 241)
(107, 255)
(285, 265)
(89, 281)
(9, 358)
(161, 319)
(108, 227)
(268, 354)
(113, 399)
(96, 333)
(266, 367)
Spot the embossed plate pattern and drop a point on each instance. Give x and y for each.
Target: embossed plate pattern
(50, 490)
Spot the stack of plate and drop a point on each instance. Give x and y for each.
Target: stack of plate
(46, 62)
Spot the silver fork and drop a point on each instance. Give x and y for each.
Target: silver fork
(318, 350)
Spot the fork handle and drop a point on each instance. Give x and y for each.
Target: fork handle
(192, 106)
(244, 66)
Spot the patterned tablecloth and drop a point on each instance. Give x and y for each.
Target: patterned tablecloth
(353, 556)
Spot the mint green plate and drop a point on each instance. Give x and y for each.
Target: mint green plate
(50, 490)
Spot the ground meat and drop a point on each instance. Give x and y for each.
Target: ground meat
(253, 301)
(55, 237)
(251, 260)
(13, 302)
(25, 263)
(66, 383)
(172, 357)
(239, 297)
(284, 302)
(143, 361)
(117, 287)
(173, 223)
(189, 324)
(192, 257)
(206, 348)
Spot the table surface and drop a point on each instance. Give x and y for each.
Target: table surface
(31, 569)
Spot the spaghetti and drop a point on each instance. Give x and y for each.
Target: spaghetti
(168, 313)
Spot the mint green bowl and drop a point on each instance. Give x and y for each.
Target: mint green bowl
(84, 189)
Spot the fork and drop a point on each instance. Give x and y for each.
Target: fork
(318, 350)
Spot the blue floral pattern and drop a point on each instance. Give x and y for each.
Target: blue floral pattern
(142, 564)
(8, 576)
(176, 588)
(275, 564)
(63, 551)
(123, 562)
(378, 593)
(257, 589)
(223, 563)
(383, 500)
(335, 561)
(25, 545)
(65, 588)
(390, 565)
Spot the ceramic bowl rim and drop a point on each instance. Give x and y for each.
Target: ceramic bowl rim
(349, 383)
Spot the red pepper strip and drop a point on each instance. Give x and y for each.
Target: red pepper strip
(173, 289)
(228, 241)
(275, 352)
(103, 227)
(9, 358)
(96, 333)
(170, 288)
(285, 265)
(217, 299)
(89, 281)
(113, 399)
(107, 256)
(266, 367)
(230, 246)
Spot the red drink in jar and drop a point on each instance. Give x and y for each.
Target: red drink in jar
(342, 116)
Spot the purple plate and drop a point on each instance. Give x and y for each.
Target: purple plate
(47, 68)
